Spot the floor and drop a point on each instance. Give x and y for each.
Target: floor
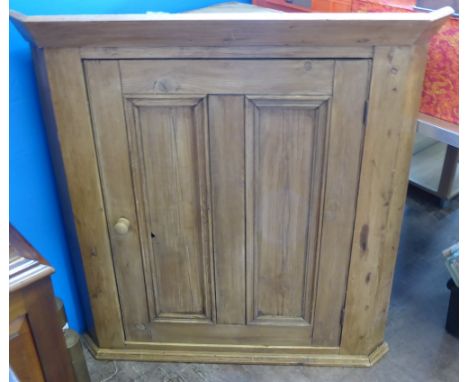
(420, 349)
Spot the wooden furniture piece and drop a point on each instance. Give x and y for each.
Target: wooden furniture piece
(237, 181)
(37, 345)
(434, 167)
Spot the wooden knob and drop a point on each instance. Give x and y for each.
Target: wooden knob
(122, 226)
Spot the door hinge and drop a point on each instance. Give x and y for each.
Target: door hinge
(364, 116)
(342, 316)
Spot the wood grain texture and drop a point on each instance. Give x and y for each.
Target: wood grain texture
(45, 329)
(342, 175)
(173, 159)
(37, 345)
(267, 356)
(23, 352)
(285, 140)
(252, 220)
(232, 29)
(394, 96)
(193, 332)
(72, 126)
(110, 135)
(236, 347)
(226, 76)
(228, 184)
(47, 110)
(305, 52)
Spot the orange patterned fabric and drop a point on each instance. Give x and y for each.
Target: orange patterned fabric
(396, 3)
(440, 89)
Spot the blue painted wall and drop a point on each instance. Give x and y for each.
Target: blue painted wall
(34, 205)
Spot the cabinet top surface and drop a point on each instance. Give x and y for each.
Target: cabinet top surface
(228, 28)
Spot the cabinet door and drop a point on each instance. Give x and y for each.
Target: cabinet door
(239, 181)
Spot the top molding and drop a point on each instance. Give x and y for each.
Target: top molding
(230, 29)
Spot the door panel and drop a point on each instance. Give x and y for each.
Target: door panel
(170, 155)
(231, 173)
(284, 152)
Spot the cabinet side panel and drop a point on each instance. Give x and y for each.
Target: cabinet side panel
(226, 124)
(108, 118)
(74, 131)
(62, 187)
(394, 98)
(342, 175)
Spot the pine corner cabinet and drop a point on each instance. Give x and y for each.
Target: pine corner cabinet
(234, 182)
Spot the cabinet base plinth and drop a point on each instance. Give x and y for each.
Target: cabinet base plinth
(260, 356)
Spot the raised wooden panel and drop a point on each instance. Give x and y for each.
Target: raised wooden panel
(227, 76)
(168, 150)
(285, 143)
